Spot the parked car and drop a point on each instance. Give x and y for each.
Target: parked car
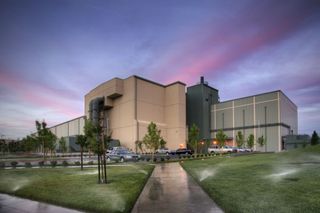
(224, 149)
(116, 148)
(163, 151)
(243, 149)
(122, 155)
(181, 151)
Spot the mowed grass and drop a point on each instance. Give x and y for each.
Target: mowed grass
(73, 188)
(279, 182)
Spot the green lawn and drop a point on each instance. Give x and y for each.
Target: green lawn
(77, 189)
(280, 182)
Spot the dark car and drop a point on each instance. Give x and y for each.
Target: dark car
(182, 151)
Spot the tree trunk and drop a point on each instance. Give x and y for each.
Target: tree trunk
(44, 158)
(81, 156)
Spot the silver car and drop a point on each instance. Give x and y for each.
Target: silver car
(122, 155)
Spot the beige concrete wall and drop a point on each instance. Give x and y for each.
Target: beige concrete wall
(175, 115)
(69, 128)
(269, 108)
(137, 103)
(110, 89)
(288, 113)
(121, 115)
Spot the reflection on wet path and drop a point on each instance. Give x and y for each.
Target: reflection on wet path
(170, 189)
(19, 205)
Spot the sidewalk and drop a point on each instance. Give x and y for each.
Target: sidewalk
(18, 205)
(171, 189)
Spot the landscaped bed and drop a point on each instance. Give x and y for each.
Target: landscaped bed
(280, 182)
(73, 188)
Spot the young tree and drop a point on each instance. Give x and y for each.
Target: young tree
(83, 143)
(221, 138)
(194, 138)
(90, 131)
(240, 139)
(162, 143)
(314, 138)
(63, 144)
(45, 137)
(250, 141)
(139, 146)
(51, 142)
(261, 141)
(29, 143)
(152, 139)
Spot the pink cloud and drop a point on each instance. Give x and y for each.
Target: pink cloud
(39, 96)
(214, 47)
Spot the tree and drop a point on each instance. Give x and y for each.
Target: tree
(139, 146)
(51, 142)
(221, 138)
(152, 140)
(250, 141)
(28, 143)
(261, 141)
(240, 139)
(45, 137)
(83, 143)
(62, 144)
(194, 138)
(314, 138)
(90, 131)
(162, 143)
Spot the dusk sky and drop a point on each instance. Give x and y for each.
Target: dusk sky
(53, 52)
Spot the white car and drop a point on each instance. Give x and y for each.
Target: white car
(241, 149)
(217, 149)
(163, 151)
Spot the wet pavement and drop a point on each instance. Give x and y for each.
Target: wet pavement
(171, 189)
(11, 204)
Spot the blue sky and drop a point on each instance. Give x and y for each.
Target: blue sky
(53, 52)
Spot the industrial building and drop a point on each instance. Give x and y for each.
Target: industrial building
(271, 115)
(129, 105)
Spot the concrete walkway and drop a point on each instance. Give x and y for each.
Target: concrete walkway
(18, 205)
(171, 189)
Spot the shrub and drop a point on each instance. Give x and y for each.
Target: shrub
(154, 159)
(77, 163)
(90, 163)
(65, 163)
(28, 164)
(142, 158)
(179, 157)
(147, 159)
(189, 156)
(2, 164)
(14, 163)
(41, 163)
(53, 163)
(168, 157)
(162, 159)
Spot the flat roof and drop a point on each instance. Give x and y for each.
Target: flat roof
(258, 95)
(153, 82)
(141, 78)
(204, 85)
(83, 116)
